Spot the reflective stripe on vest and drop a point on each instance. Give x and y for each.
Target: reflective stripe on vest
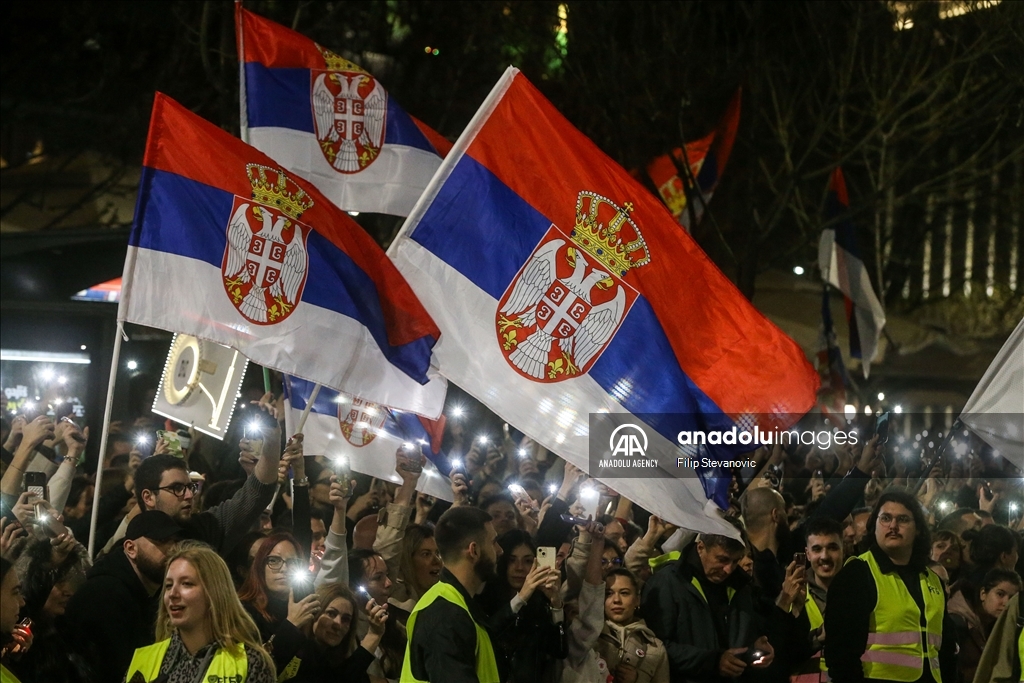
(816, 618)
(225, 667)
(486, 664)
(896, 640)
(729, 590)
(656, 562)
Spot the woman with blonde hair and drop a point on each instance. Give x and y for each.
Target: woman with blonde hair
(202, 630)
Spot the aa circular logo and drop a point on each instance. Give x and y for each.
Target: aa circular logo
(628, 440)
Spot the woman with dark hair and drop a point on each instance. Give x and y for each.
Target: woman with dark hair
(994, 547)
(333, 653)
(975, 614)
(12, 636)
(368, 575)
(278, 572)
(527, 611)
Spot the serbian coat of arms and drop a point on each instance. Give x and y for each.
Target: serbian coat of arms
(360, 420)
(265, 260)
(570, 297)
(349, 113)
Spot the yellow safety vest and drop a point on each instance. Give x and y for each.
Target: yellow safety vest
(1020, 655)
(730, 592)
(6, 676)
(898, 644)
(486, 663)
(816, 618)
(225, 666)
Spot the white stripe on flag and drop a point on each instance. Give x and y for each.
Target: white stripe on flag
(391, 184)
(322, 436)
(186, 295)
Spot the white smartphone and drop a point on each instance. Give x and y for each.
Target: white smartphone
(546, 556)
(590, 497)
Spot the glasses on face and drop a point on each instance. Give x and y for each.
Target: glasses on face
(178, 490)
(616, 562)
(902, 520)
(276, 562)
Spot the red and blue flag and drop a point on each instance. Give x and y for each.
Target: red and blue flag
(229, 247)
(843, 268)
(564, 289)
(330, 121)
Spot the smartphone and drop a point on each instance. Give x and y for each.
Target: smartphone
(800, 559)
(753, 656)
(26, 624)
(76, 435)
(341, 470)
(581, 521)
(51, 525)
(546, 556)
(172, 441)
(302, 584)
(882, 427)
(35, 483)
(458, 467)
(590, 498)
(408, 460)
(517, 491)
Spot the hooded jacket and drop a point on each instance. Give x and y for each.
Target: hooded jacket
(110, 616)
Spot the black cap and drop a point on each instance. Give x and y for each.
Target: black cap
(154, 525)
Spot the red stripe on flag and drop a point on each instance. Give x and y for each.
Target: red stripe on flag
(183, 143)
(727, 347)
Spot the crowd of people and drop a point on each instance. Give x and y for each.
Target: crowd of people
(292, 569)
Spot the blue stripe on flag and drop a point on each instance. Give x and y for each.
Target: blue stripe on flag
(483, 229)
(399, 425)
(187, 218)
(280, 98)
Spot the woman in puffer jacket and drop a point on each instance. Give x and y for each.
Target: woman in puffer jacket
(626, 649)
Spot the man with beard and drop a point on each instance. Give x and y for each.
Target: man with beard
(886, 617)
(114, 611)
(448, 637)
(825, 554)
(764, 514)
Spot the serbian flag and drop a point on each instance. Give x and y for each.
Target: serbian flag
(707, 158)
(367, 435)
(228, 247)
(842, 267)
(831, 370)
(330, 121)
(565, 290)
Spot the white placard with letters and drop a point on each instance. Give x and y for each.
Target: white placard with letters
(200, 384)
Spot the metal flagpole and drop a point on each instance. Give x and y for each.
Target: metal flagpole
(103, 438)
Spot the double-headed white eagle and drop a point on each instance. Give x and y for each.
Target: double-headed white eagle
(531, 355)
(292, 270)
(374, 108)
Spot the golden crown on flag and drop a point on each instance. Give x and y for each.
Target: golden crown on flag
(605, 231)
(283, 194)
(336, 62)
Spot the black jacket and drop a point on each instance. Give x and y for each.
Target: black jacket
(529, 641)
(110, 616)
(697, 631)
(443, 642)
(851, 600)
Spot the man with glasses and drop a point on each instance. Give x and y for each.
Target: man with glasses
(886, 618)
(162, 483)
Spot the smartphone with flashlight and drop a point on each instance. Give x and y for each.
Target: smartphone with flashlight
(77, 434)
(590, 497)
(302, 584)
(800, 559)
(49, 522)
(343, 474)
(458, 467)
(518, 492)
